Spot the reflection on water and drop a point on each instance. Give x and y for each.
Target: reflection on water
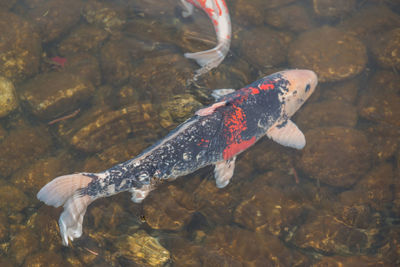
(88, 84)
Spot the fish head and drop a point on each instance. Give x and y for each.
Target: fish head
(301, 84)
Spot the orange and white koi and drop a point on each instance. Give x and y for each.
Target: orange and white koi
(218, 12)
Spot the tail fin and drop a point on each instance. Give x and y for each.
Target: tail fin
(65, 190)
(209, 59)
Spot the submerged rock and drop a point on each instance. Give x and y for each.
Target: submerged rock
(265, 47)
(44, 258)
(327, 113)
(53, 18)
(21, 147)
(179, 108)
(83, 39)
(32, 178)
(162, 211)
(380, 101)
(234, 246)
(272, 212)
(8, 97)
(19, 48)
(343, 91)
(102, 127)
(336, 156)
(337, 261)
(52, 94)
(143, 249)
(104, 15)
(324, 234)
(333, 9)
(12, 199)
(370, 22)
(374, 189)
(293, 17)
(336, 56)
(386, 49)
(252, 13)
(24, 243)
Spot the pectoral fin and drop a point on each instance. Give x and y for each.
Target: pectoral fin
(209, 110)
(287, 135)
(223, 172)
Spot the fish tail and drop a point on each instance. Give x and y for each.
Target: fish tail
(209, 59)
(67, 191)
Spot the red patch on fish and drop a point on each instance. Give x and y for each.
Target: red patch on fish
(235, 123)
(233, 149)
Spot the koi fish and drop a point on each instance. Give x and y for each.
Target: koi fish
(218, 12)
(215, 135)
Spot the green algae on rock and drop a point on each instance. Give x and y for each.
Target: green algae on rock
(8, 97)
(142, 248)
(20, 47)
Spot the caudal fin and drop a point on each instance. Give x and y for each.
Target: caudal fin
(209, 59)
(66, 190)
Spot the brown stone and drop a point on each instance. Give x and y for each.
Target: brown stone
(162, 75)
(143, 248)
(53, 18)
(32, 178)
(336, 56)
(8, 97)
(346, 90)
(370, 21)
(327, 113)
(101, 127)
(337, 156)
(21, 147)
(252, 13)
(83, 39)
(380, 100)
(20, 47)
(162, 211)
(327, 235)
(265, 47)
(385, 49)
(53, 94)
(86, 66)
(333, 9)
(105, 15)
(293, 17)
(24, 243)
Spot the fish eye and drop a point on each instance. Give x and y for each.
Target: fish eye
(308, 87)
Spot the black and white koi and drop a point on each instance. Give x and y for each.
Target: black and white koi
(215, 135)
